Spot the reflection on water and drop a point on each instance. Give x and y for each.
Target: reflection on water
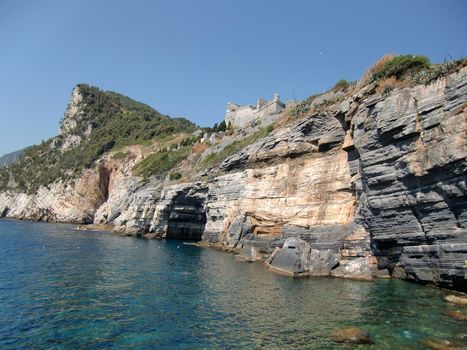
(66, 289)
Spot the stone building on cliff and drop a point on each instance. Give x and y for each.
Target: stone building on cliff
(240, 116)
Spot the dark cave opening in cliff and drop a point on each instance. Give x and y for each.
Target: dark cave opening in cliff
(4, 213)
(187, 218)
(104, 183)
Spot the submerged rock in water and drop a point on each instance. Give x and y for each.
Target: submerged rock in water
(353, 335)
(454, 299)
(384, 273)
(358, 269)
(440, 344)
(457, 314)
(248, 254)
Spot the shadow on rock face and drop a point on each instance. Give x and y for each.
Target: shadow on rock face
(187, 218)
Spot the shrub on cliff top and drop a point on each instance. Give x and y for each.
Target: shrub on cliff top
(437, 71)
(399, 67)
(341, 85)
(222, 126)
(175, 176)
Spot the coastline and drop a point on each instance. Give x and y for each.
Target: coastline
(236, 251)
(355, 188)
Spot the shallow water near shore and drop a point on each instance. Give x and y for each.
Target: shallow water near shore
(67, 289)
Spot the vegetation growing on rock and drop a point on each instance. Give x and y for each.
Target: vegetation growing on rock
(319, 177)
(341, 85)
(217, 157)
(392, 72)
(398, 66)
(160, 162)
(219, 127)
(437, 71)
(389, 73)
(107, 120)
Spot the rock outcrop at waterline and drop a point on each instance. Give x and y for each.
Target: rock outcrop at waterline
(374, 184)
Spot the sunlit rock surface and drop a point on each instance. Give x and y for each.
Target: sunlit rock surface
(378, 183)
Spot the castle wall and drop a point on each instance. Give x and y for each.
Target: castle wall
(241, 116)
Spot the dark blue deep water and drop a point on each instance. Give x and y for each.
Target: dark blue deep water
(67, 289)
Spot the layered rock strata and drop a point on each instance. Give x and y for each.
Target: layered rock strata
(374, 183)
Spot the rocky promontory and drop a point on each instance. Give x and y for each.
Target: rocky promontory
(370, 182)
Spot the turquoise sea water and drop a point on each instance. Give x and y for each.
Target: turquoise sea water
(67, 289)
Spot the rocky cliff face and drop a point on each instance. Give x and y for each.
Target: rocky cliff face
(64, 201)
(411, 151)
(71, 120)
(373, 185)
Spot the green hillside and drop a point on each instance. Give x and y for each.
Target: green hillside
(114, 120)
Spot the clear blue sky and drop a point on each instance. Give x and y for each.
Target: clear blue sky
(189, 58)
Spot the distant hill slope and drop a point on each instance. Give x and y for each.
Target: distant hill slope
(94, 123)
(10, 158)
